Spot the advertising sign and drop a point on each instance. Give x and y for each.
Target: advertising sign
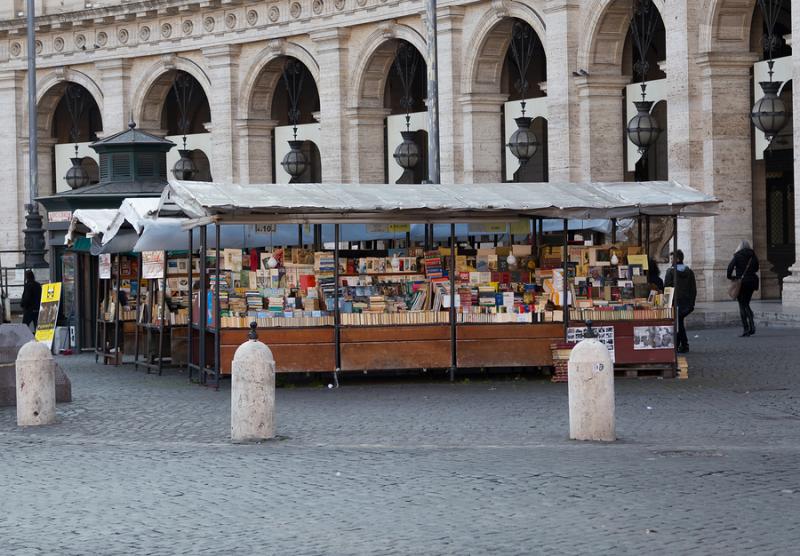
(48, 313)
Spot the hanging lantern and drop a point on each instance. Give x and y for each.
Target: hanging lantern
(407, 153)
(185, 168)
(523, 143)
(769, 113)
(77, 176)
(407, 156)
(295, 161)
(643, 129)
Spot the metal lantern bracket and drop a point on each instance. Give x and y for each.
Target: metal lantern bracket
(293, 78)
(405, 64)
(523, 42)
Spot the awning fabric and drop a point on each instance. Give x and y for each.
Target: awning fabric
(93, 222)
(135, 211)
(206, 202)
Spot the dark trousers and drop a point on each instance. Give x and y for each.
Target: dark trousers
(683, 339)
(745, 312)
(29, 317)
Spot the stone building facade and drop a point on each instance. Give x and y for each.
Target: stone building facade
(125, 55)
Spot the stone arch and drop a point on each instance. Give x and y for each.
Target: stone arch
(375, 61)
(51, 88)
(606, 26)
(493, 35)
(150, 95)
(726, 25)
(259, 84)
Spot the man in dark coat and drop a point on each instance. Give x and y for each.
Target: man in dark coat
(31, 297)
(682, 279)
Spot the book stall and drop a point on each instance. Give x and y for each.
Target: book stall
(400, 304)
(163, 317)
(117, 286)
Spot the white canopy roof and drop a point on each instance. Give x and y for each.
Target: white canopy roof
(207, 202)
(96, 222)
(135, 211)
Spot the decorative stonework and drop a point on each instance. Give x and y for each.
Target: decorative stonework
(317, 7)
(361, 3)
(274, 14)
(252, 17)
(123, 36)
(58, 44)
(16, 49)
(80, 41)
(230, 20)
(339, 4)
(102, 38)
(39, 47)
(166, 30)
(295, 10)
(144, 33)
(187, 27)
(209, 24)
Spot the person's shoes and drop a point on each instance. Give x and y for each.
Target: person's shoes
(745, 334)
(683, 349)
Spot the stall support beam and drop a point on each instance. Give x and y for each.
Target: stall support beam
(203, 301)
(117, 357)
(614, 230)
(565, 300)
(453, 324)
(647, 235)
(217, 308)
(138, 312)
(189, 367)
(336, 310)
(675, 281)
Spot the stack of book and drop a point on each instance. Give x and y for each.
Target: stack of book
(433, 265)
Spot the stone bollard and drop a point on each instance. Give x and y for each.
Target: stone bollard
(36, 385)
(253, 392)
(591, 392)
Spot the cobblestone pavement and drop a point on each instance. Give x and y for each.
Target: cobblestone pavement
(141, 464)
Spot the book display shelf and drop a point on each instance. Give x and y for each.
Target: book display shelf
(162, 319)
(117, 287)
(398, 306)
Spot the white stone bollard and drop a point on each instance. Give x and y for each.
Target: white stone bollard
(253, 392)
(591, 392)
(36, 385)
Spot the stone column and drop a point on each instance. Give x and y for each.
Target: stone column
(727, 168)
(791, 284)
(450, 28)
(116, 84)
(13, 170)
(223, 65)
(367, 144)
(483, 137)
(563, 106)
(602, 125)
(46, 159)
(255, 148)
(684, 109)
(332, 52)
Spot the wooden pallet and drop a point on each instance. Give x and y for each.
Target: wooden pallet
(645, 371)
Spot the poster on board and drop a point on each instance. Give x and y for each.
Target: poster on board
(48, 313)
(104, 266)
(653, 337)
(152, 264)
(605, 335)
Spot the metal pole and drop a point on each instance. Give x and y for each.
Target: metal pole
(217, 309)
(453, 338)
(189, 327)
(647, 235)
(674, 283)
(34, 234)
(336, 311)
(434, 175)
(613, 230)
(564, 301)
(202, 316)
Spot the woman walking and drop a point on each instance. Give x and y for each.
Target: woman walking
(744, 267)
